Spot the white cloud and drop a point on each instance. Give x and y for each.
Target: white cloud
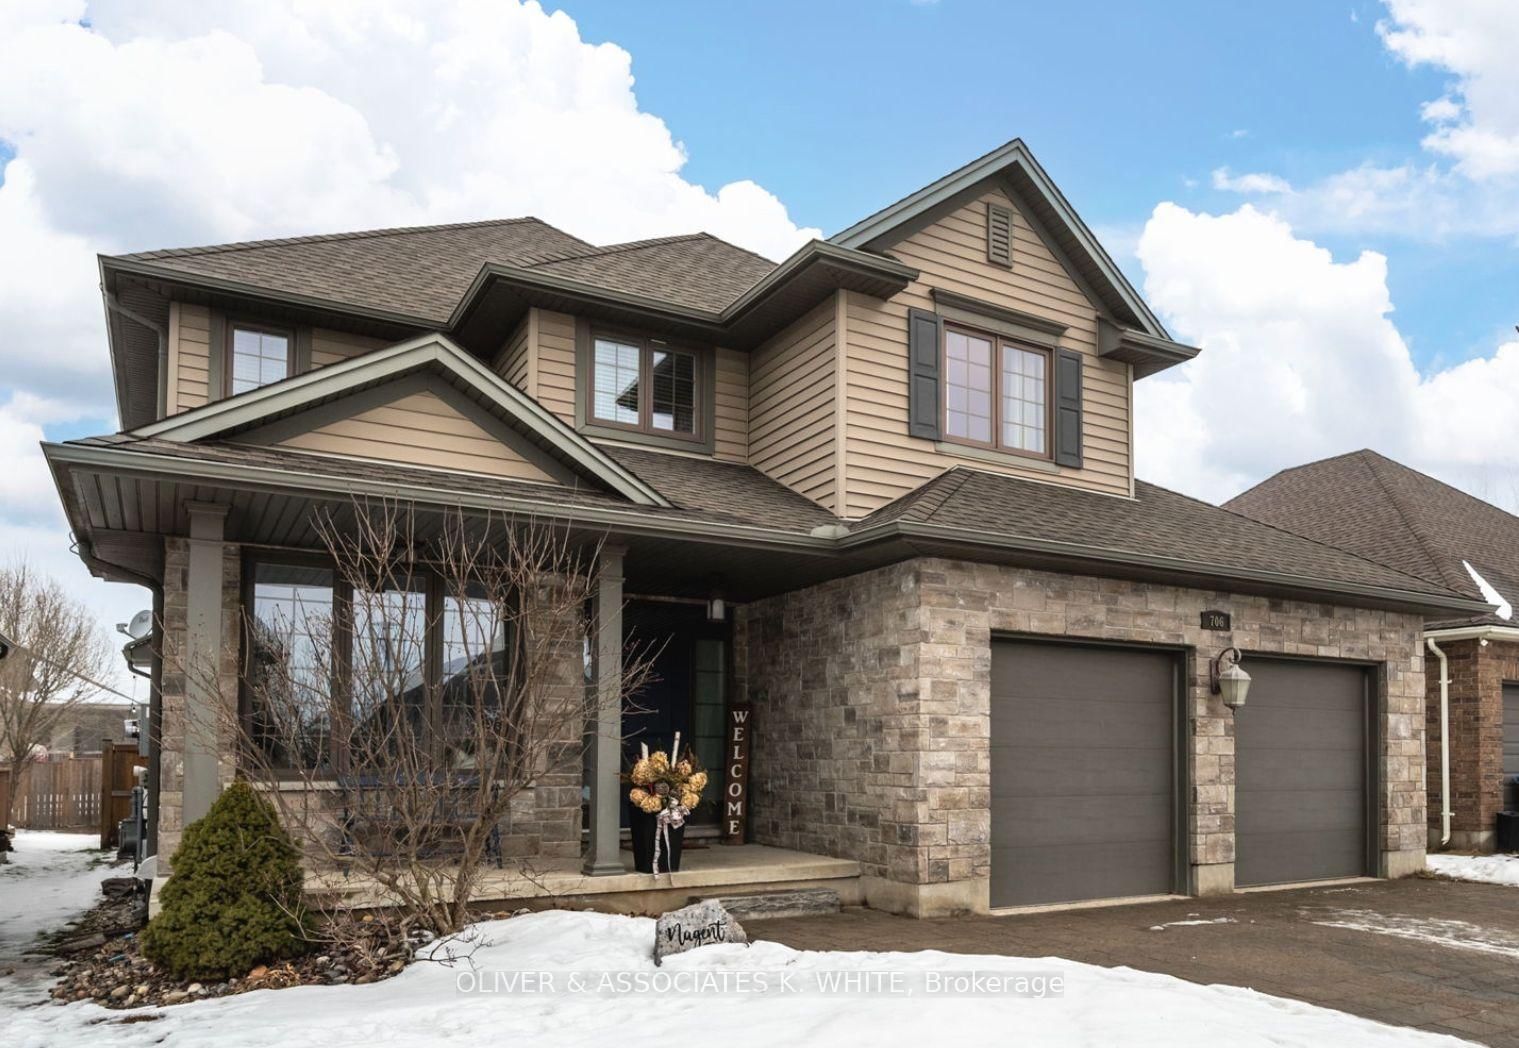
(1301, 360)
(1468, 182)
(1252, 183)
(1476, 41)
(151, 123)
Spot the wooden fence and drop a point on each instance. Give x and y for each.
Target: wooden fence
(61, 794)
(119, 762)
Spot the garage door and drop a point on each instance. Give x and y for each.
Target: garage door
(1082, 773)
(1300, 773)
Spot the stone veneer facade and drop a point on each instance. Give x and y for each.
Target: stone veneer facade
(543, 823)
(872, 713)
(1477, 675)
(175, 716)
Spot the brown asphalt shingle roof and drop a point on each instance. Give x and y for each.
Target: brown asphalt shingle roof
(1375, 507)
(424, 271)
(704, 490)
(697, 270)
(1156, 522)
(1196, 537)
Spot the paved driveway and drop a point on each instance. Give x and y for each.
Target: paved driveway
(1438, 955)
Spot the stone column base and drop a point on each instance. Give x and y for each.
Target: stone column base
(945, 899)
(1214, 878)
(1402, 863)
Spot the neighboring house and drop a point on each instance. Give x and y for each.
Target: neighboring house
(87, 725)
(975, 646)
(1370, 505)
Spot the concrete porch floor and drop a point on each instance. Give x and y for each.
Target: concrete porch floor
(705, 872)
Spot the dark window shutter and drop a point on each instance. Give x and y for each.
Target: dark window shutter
(999, 235)
(923, 414)
(1067, 408)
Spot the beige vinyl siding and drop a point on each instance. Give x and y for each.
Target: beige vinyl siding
(883, 462)
(556, 363)
(730, 422)
(512, 362)
(189, 379)
(791, 406)
(418, 430)
(332, 347)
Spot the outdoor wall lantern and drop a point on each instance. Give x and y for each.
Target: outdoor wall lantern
(717, 609)
(1227, 679)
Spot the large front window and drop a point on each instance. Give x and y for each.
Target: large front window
(644, 385)
(996, 393)
(334, 668)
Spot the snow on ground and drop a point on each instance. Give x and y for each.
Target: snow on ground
(50, 879)
(430, 1004)
(1489, 869)
(1457, 935)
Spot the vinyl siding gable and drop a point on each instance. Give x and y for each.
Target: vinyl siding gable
(419, 429)
(882, 462)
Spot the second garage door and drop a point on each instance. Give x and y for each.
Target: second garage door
(1082, 773)
(1300, 773)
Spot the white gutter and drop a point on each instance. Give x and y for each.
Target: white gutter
(1444, 741)
(1495, 633)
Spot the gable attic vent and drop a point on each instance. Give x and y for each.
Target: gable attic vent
(999, 235)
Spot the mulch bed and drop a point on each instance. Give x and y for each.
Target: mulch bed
(103, 960)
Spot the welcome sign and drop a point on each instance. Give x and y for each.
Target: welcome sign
(735, 798)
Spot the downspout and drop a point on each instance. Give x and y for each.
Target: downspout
(115, 306)
(1444, 741)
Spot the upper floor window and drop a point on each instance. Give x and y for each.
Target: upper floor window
(259, 356)
(996, 392)
(644, 385)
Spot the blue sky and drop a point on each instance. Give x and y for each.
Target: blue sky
(840, 107)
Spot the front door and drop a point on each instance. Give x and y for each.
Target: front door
(686, 690)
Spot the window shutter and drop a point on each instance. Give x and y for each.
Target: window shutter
(923, 413)
(999, 235)
(1067, 408)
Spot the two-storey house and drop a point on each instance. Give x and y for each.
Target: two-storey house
(881, 493)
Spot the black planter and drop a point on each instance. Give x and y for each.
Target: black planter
(641, 826)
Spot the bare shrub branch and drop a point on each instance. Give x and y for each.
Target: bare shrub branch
(404, 724)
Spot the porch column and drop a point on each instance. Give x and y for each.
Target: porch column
(605, 856)
(203, 656)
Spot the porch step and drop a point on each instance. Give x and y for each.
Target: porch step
(799, 902)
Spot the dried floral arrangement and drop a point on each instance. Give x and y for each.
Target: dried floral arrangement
(668, 790)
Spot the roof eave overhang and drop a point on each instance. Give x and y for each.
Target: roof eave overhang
(940, 540)
(1146, 353)
(242, 477)
(907, 536)
(1509, 634)
(113, 267)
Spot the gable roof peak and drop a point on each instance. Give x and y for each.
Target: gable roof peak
(1027, 181)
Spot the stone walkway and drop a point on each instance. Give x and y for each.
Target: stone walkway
(1437, 955)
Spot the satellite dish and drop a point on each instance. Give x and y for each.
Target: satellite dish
(141, 625)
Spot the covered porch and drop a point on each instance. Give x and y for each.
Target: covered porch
(208, 524)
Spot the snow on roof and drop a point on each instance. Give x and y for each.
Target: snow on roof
(1489, 594)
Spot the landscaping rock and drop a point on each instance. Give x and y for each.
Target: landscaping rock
(701, 924)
